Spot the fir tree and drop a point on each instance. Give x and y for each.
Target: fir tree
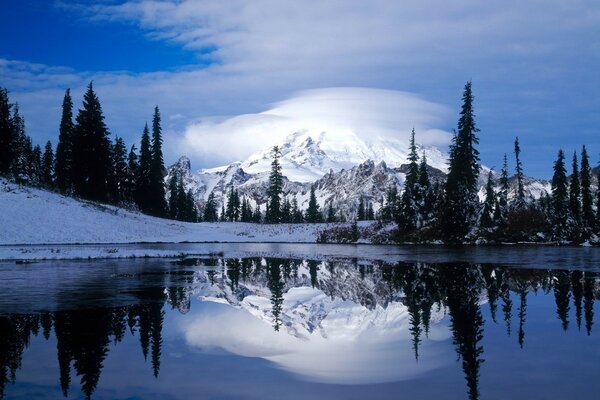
(409, 200)
(173, 195)
(361, 214)
(313, 214)
(296, 212)
(157, 204)
(181, 199)
(120, 171)
(331, 213)
(34, 163)
(190, 206)
(519, 202)
(461, 201)
(502, 205)
(388, 212)
(210, 209)
(21, 147)
(65, 148)
(426, 198)
(560, 198)
(275, 189)
(487, 214)
(132, 175)
(587, 212)
(143, 177)
(286, 211)
(92, 162)
(48, 166)
(370, 212)
(575, 192)
(7, 143)
(257, 216)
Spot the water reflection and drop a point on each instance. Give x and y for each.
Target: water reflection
(343, 321)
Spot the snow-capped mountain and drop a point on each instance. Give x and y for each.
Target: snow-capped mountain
(341, 165)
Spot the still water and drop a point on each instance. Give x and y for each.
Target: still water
(326, 327)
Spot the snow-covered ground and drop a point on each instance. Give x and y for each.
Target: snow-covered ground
(33, 216)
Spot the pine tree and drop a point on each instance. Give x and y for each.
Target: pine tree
(389, 212)
(286, 211)
(48, 166)
(426, 198)
(157, 203)
(34, 163)
(313, 214)
(519, 202)
(143, 178)
(181, 199)
(297, 217)
(191, 209)
(65, 148)
(210, 209)
(560, 198)
(275, 189)
(92, 162)
(257, 216)
(20, 149)
(410, 198)
(587, 212)
(173, 195)
(361, 214)
(487, 214)
(331, 213)
(133, 168)
(120, 171)
(575, 192)
(502, 204)
(370, 212)
(7, 143)
(461, 201)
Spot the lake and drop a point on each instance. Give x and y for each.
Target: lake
(277, 321)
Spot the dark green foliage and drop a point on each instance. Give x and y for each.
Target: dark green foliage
(587, 212)
(133, 169)
(65, 148)
(143, 177)
(560, 198)
(173, 200)
(120, 173)
(275, 189)
(22, 150)
(408, 213)
(487, 213)
(7, 139)
(156, 202)
(501, 213)
(519, 201)
(389, 209)
(461, 201)
(47, 172)
(91, 160)
(313, 214)
(286, 211)
(361, 213)
(297, 216)
(232, 212)
(575, 192)
(210, 209)
(370, 212)
(331, 213)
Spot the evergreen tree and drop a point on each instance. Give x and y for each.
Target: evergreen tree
(575, 192)
(331, 213)
(181, 199)
(257, 216)
(519, 202)
(587, 212)
(370, 212)
(313, 214)
(487, 214)
(191, 214)
(560, 198)
(502, 205)
(157, 203)
(120, 171)
(223, 217)
(410, 198)
(173, 195)
(389, 212)
(286, 211)
(210, 208)
(297, 217)
(361, 215)
(65, 148)
(426, 198)
(133, 168)
(48, 166)
(92, 162)
(275, 189)
(461, 201)
(7, 145)
(34, 163)
(21, 149)
(144, 173)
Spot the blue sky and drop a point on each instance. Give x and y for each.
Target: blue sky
(534, 65)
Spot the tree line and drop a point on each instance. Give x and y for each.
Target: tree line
(89, 165)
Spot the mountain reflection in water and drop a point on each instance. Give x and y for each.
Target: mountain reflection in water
(342, 321)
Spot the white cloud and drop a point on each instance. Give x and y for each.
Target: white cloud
(370, 114)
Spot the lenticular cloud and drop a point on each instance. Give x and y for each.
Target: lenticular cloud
(369, 114)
